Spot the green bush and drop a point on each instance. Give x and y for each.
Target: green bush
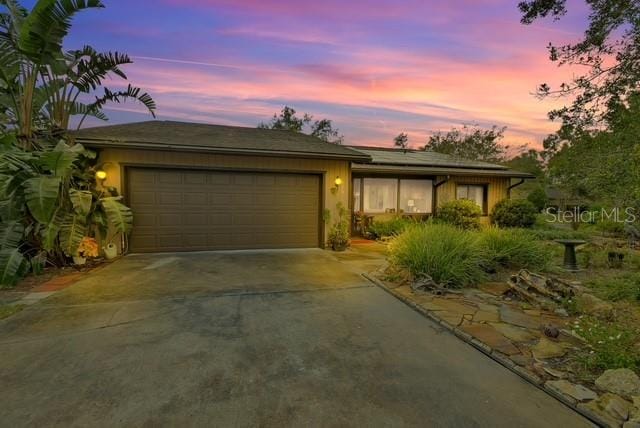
(538, 197)
(452, 257)
(389, 227)
(514, 213)
(461, 213)
(513, 248)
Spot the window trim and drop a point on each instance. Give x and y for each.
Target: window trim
(361, 178)
(485, 194)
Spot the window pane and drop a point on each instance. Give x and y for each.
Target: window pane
(380, 195)
(476, 194)
(356, 194)
(473, 193)
(416, 196)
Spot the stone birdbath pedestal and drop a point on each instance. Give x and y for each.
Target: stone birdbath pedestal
(570, 261)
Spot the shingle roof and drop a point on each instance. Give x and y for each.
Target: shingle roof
(185, 136)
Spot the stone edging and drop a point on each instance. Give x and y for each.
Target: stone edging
(525, 374)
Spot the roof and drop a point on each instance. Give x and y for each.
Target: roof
(427, 162)
(187, 136)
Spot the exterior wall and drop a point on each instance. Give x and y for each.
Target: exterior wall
(497, 190)
(114, 161)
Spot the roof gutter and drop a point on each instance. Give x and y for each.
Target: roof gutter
(199, 149)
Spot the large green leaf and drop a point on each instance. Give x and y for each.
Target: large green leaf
(59, 161)
(12, 264)
(43, 30)
(119, 215)
(71, 233)
(11, 234)
(81, 200)
(42, 197)
(50, 231)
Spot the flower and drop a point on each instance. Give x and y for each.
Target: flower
(88, 247)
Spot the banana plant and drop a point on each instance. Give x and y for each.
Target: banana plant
(47, 206)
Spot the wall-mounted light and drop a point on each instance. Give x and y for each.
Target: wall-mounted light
(101, 175)
(338, 181)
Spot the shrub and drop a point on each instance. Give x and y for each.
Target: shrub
(461, 213)
(514, 213)
(390, 227)
(339, 236)
(513, 248)
(538, 197)
(450, 256)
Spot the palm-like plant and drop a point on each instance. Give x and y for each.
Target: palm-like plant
(48, 195)
(41, 85)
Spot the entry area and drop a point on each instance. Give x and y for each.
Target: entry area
(197, 210)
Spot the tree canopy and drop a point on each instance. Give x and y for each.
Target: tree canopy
(610, 51)
(470, 143)
(289, 121)
(401, 141)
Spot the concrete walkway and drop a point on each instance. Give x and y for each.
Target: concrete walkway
(279, 338)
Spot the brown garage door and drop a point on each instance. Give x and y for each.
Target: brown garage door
(192, 210)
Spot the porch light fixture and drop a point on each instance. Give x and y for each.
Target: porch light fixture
(101, 175)
(338, 181)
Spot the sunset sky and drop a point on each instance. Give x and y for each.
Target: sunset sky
(376, 68)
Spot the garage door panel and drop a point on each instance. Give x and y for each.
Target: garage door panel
(189, 210)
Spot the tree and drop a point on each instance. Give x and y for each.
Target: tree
(530, 161)
(41, 85)
(401, 141)
(49, 201)
(470, 143)
(288, 121)
(603, 166)
(610, 50)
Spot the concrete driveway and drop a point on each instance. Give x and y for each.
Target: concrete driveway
(272, 338)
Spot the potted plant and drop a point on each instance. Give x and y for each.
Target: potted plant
(88, 248)
(339, 237)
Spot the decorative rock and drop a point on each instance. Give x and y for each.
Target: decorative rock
(494, 288)
(620, 381)
(555, 373)
(491, 337)
(615, 406)
(551, 331)
(577, 392)
(513, 316)
(635, 411)
(632, 423)
(593, 408)
(609, 407)
(590, 304)
(517, 334)
(546, 348)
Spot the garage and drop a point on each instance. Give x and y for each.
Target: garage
(196, 210)
(199, 187)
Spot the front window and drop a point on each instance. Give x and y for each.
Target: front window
(475, 193)
(416, 196)
(356, 194)
(380, 195)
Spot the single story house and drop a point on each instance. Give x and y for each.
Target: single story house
(199, 187)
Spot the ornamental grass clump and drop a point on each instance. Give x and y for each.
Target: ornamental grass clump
(447, 254)
(513, 248)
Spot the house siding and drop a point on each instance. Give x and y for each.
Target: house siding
(497, 190)
(115, 160)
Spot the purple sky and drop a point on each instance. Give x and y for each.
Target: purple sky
(376, 68)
